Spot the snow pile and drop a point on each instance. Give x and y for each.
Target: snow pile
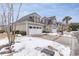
(18, 35)
(67, 35)
(28, 44)
(31, 46)
(3, 41)
(53, 34)
(17, 46)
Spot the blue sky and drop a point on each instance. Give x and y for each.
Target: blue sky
(50, 9)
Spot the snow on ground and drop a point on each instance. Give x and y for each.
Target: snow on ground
(25, 46)
(30, 43)
(53, 34)
(3, 41)
(65, 35)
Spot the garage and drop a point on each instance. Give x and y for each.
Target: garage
(35, 29)
(54, 28)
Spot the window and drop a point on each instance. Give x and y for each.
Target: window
(30, 26)
(37, 27)
(31, 18)
(34, 27)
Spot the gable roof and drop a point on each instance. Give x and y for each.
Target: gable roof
(26, 17)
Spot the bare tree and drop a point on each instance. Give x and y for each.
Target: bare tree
(10, 24)
(17, 18)
(9, 18)
(2, 21)
(3, 16)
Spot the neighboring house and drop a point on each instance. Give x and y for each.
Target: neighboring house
(30, 23)
(44, 20)
(50, 25)
(54, 26)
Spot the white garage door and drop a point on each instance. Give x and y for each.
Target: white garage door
(54, 30)
(35, 30)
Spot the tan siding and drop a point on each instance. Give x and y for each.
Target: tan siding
(0, 28)
(21, 27)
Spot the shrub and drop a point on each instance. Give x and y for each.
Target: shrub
(23, 33)
(20, 32)
(17, 32)
(74, 27)
(45, 31)
(2, 31)
(58, 29)
(69, 29)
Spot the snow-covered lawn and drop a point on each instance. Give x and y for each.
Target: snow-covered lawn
(53, 34)
(32, 46)
(57, 34)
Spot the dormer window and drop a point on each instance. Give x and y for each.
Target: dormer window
(31, 18)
